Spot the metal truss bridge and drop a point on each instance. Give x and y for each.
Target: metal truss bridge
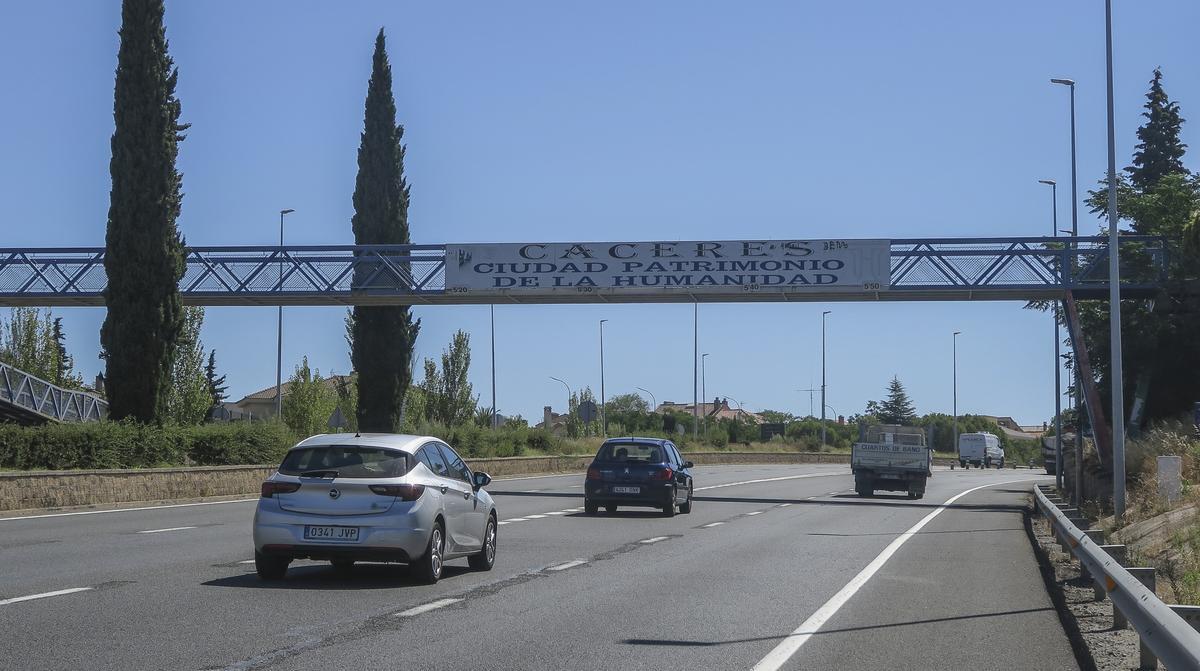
(941, 269)
(30, 400)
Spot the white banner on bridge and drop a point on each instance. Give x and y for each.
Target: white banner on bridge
(649, 268)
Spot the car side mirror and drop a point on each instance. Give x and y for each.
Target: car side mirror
(481, 480)
(688, 464)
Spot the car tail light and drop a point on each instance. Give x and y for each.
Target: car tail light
(402, 492)
(271, 488)
(593, 473)
(664, 474)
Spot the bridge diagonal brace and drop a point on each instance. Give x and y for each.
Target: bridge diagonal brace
(1101, 430)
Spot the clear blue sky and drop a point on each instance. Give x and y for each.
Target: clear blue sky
(541, 121)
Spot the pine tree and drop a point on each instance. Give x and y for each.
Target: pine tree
(897, 408)
(1159, 151)
(382, 337)
(217, 389)
(144, 256)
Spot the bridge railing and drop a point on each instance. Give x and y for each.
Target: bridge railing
(27, 397)
(921, 269)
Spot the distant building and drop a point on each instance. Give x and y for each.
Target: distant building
(261, 404)
(1013, 430)
(718, 409)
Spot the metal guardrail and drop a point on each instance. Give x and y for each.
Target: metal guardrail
(24, 397)
(1168, 636)
(1015, 268)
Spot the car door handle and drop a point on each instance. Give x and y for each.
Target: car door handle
(466, 495)
(444, 488)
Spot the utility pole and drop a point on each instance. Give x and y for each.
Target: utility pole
(1058, 456)
(494, 414)
(695, 365)
(1074, 244)
(823, 315)
(279, 331)
(954, 365)
(603, 412)
(704, 390)
(1114, 290)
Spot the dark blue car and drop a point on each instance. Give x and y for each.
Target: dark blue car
(643, 472)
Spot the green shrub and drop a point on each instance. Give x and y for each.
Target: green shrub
(130, 445)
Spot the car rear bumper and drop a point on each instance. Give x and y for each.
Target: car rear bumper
(653, 495)
(381, 537)
(332, 552)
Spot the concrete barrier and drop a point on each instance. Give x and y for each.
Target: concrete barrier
(26, 490)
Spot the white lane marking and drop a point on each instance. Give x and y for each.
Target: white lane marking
(514, 519)
(501, 523)
(425, 608)
(784, 505)
(158, 531)
(539, 477)
(756, 512)
(714, 524)
(558, 512)
(246, 561)
(792, 643)
(566, 565)
(785, 477)
(534, 517)
(654, 540)
(44, 595)
(126, 510)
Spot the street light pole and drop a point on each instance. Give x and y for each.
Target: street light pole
(494, 414)
(653, 400)
(569, 393)
(695, 364)
(1114, 289)
(954, 365)
(823, 315)
(603, 413)
(279, 331)
(1058, 456)
(704, 391)
(1074, 234)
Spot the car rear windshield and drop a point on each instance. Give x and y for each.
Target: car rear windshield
(644, 452)
(345, 461)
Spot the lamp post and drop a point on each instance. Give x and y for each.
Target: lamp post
(279, 330)
(569, 392)
(954, 365)
(493, 314)
(823, 315)
(1074, 233)
(1058, 460)
(1114, 289)
(695, 364)
(603, 414)
(653, 401)
(704, 391)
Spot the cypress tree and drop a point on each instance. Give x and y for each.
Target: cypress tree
(1159, 151)
(217, 388)
(144, 256)
(382, 337)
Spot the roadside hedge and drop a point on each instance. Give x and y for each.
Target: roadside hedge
(130, 445)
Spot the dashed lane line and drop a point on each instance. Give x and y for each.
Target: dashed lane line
(44, 595)
(713, 524)
(566, 565)
(159, 531)
(784, 477)
(425, 608)
(654, 540)
(126, 510)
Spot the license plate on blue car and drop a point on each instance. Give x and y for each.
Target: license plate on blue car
(331, 533)
(627, 490)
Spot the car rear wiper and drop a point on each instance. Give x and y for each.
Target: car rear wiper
(327, 473)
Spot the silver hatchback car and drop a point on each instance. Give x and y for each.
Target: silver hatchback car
(374, 497)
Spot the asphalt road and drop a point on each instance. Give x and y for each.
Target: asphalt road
(778, 566)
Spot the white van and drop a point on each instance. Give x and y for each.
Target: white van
(981, 449)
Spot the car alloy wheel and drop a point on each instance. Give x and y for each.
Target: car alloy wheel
(435, 552)
(486, 557)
